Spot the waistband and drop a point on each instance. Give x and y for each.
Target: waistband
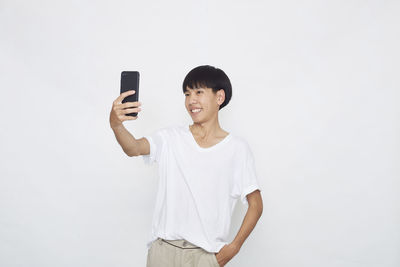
(180, 243)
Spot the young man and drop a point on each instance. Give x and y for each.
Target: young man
(203, 171)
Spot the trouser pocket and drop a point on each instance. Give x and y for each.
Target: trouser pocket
(215, 259)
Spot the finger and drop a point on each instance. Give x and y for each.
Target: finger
(130, 110)
(123, 95)
(131, 104)
(128, 118)
(126, 105)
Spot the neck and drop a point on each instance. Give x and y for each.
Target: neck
(206, 130)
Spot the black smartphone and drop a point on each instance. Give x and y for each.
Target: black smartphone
(130, 81)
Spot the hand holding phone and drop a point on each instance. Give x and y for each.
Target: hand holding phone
(119, 110)
(126, 106)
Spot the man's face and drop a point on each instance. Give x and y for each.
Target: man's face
(202, 103)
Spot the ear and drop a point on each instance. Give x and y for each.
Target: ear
(220, 96)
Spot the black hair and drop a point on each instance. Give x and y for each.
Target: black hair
(210, 77)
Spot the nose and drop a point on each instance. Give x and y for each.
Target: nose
(192, 99)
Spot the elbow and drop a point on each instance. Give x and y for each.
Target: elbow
(131, 153)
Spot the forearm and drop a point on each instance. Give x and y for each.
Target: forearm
(125, 139)
(249, 222)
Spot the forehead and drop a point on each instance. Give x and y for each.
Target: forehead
(200, 88)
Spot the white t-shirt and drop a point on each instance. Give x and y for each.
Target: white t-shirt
(198, 187)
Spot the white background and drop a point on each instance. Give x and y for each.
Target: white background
(315, 93)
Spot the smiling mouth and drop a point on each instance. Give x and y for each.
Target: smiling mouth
(196, 111)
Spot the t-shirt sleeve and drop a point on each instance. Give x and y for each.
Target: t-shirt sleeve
(157, 144)
(246, 180)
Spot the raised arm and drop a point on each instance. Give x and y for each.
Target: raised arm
(130, 145)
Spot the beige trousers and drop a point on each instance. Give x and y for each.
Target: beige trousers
(179, 253)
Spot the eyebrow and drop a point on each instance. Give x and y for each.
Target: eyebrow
(186, 90)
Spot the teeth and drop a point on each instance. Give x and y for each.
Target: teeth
(196, 110)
